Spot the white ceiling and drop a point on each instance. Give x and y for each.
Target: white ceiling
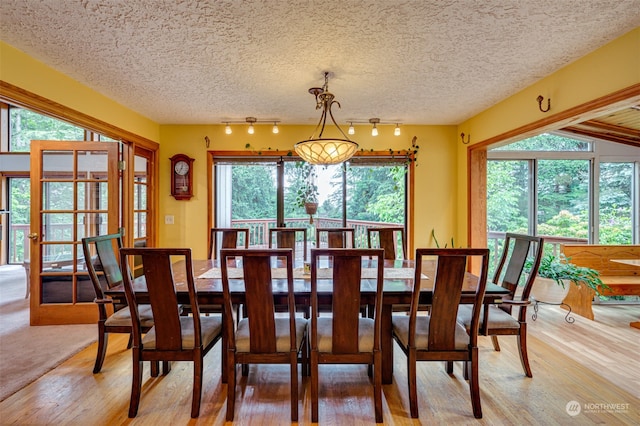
(412, 61)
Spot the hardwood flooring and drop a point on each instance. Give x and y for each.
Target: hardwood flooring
(600, 373)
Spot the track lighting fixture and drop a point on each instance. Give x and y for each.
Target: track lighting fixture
(374, 130)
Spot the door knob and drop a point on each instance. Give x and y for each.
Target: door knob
(33, 236)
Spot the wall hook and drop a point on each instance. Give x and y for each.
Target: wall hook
(540, 98)
(207, 141)
(468, 138)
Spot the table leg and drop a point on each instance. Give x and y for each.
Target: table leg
(387, 344)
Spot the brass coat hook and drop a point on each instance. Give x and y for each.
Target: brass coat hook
(540, 98)
(207, 141)
(468, 138)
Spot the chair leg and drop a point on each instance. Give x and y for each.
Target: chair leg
(449, 367)
(130, 342)
(377, 385)
(166, 367)
(314, 386)
(496, 344)
(136, 385)
(103, 339)
(305, 358)
(413, 386)
(197, 385)
(155, 368)
(245, 370)
(294, 386)
(474, 385)
(522, 347)
(231, 385)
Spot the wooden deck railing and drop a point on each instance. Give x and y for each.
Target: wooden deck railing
(259, 232)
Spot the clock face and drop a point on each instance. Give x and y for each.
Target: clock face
(182, 168)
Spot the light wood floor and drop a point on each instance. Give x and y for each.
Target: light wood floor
(71, 394)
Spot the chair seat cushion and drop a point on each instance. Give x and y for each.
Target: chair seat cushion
(401, 330)
(122, 318)
(365, 334)
(210, 328)
(282, 334)
(497, 318)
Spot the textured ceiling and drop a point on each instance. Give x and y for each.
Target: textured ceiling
(412, 61)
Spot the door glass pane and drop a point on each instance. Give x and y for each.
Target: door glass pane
(92, 165)
(375, 197)
(563, 198)
(19, 219)
(57, 257)
(140, 225)
(91, 225)
(616, 200)
(57, 227)
(57, 165)
(246, 198)
(57, 195)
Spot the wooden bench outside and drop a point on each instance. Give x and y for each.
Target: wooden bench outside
(623, 280)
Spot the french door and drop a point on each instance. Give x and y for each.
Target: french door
(74, 194)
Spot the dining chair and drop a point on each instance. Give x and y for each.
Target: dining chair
(262, 337)
(336, 237)
(230, 238)
(103, 265)
(286, 238)
(437, 336)
(346, 337)
(387, 238)
(174, 337)
(497, 319)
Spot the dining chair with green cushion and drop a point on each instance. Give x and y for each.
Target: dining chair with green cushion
(262, 337)
(286, 238)
(386, 237)
(346, 337)
(497, 319)
(230, 238)
(103, 265)
(437, 336)
(336, 237)
(174, 337)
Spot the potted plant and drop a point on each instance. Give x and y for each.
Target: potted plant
(307, 193)
(554, 275)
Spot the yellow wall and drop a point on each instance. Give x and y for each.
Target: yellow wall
(23, 71)
(435, 174)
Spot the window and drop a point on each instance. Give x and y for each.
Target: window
(25, 126)
(583, 191)
(616, 203)
(261, 192)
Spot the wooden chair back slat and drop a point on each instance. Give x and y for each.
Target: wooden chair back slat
(517, 250)
(346, 303)
(259, 303)
(447, 291)
(229, 239)
(387, 240)
(286, 238)
(336, 237)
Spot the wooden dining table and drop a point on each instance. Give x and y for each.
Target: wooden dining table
(398, 288)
